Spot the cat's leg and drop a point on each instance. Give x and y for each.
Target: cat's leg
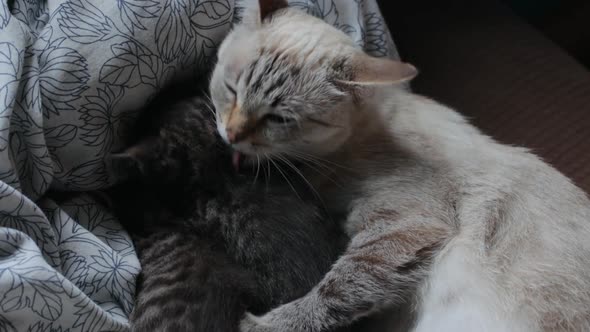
(381, 266)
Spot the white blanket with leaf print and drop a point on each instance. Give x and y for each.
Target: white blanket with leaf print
(70, 72)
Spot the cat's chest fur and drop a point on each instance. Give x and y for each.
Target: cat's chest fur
(387, 180)
(420, 157)
(506, 209)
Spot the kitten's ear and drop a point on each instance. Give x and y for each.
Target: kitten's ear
(368, 70)
(255, 11)
(126, 166)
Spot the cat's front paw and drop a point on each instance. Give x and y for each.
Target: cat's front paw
(290, 317)
(251, 323)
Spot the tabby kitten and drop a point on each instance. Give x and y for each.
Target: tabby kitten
(465, 233)
(211, 243)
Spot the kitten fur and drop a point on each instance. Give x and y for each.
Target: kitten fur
(462, 232)
(211, 243)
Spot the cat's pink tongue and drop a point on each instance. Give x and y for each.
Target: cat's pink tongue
(236, 159)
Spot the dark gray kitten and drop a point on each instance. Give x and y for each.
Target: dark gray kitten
(212, 243)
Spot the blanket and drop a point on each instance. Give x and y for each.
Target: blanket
(73, 75)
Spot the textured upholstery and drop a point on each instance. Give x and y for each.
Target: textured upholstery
(511, 81)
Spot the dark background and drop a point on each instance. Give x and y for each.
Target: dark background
(566, 22)
(518, 69)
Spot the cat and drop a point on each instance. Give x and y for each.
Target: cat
(211, 243)
(462, 232)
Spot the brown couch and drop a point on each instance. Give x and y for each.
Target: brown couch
(510, 80)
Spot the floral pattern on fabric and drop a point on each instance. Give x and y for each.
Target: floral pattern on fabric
(73, 74)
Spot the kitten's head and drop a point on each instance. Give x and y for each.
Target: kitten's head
(176, 146)
(287, 83)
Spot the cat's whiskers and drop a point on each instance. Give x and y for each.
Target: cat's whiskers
(210, 109)
(313, 166)
(310, 159)
(322, 160)
(208, 97)
(285, 177)
(257, 169)
(267, 170)
(317, 164)
(292, 166)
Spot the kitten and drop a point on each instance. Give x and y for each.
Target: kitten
(211, 243)
(464, 233)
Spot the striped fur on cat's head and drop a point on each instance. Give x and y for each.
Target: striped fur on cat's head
(286, 83)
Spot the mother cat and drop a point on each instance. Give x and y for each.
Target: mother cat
(471, 235)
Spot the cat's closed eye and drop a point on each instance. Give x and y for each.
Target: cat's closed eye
(277, 119)
(230, 88)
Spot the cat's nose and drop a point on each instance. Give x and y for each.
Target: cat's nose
(231, 136)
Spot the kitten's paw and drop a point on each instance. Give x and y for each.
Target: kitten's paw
(251, 323)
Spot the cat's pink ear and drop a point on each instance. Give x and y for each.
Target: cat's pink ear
(267, 7)
(368, 70)
(125, 166)
(129, 163)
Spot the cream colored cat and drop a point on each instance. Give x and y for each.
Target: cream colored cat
(466, 233)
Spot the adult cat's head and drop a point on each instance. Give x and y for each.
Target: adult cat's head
(287, 83)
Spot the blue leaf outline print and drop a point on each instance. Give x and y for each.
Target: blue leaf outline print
(4, 132)
(4, 14)
(92, 318)
(132, 11)
(327, 10)
(210, 21)
(99, 121)
(24, 120)
(43, 288)
(46, 327)
(6, 190)
(374, 35)
(12, 299)
(6, 325)
(88, 175)
(95, 219)
(75, 268)
(60, 136)
(69, 233)
(324, 9)
(56, 138)
(10, 72)
(173, 30)
(211, 14)
(84, 23)
(115, 274)
(59, 77)
(34, 224)
(33, 161)
(131, 65)
(14, 251)
(10, 178)
(81, 223)
(34, 14)
(150, 69)
(114, 309)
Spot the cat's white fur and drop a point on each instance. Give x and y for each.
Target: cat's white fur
(543, 267)
(516, 233)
